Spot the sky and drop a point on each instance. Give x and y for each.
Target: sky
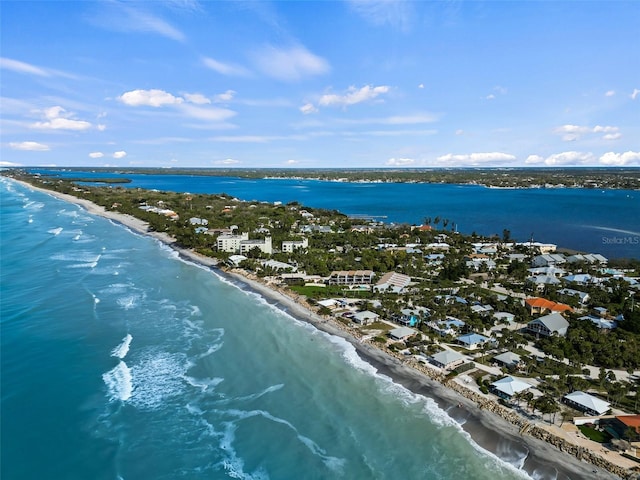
(320, 84)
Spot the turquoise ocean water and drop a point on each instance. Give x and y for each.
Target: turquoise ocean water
(121, 361)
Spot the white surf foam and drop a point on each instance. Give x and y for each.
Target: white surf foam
(119, 382)
(157, 378)
(55, 231)
(121, 350)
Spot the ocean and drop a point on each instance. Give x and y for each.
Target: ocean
(122, 361)
(588, 220)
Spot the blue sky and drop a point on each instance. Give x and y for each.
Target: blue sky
(320, 84)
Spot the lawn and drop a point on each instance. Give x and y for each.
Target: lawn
(595, 435)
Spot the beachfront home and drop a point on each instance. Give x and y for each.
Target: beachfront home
(402, 333)
(548, 260)
(447, 359)
(586, 403)
(507, 387)
(410, 317)
(551, 324)
(365, 318)
(471, 341)
(392, 282)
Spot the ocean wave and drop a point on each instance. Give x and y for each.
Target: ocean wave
(55, 231)
(119, 382)
(157, 377)
(121, 350)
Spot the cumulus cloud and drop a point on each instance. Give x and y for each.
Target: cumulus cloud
(151, 98)
(308, 108)
(620, 159)
(400, 162)
(228, 161)
(571, 133)
(228, 69)
(29, 146)
(482, 158)
(353, 96)
(225, 97)
(569, 158)
(196, 98)
(57, 118)
(534, 159)
(119, 154)
(290, 64)
(635, 94)
(610, 93)
(96, 155)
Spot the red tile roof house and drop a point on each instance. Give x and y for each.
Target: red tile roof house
(542, 305)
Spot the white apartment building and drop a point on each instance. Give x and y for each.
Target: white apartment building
(288, 246)
(231, 243)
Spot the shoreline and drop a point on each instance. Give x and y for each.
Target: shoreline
(485, 424)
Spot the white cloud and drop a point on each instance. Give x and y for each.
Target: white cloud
(57, 118)
(209, 114)
(150, 98)
(491, 96)
(571, 133)
(228, 161)
(459, 132)
(353, 96)
(290, 64)
(96, 155)
(22, 67)
(9, 164)
(29, 146)
(228, 69)
(610, 93)
(292, 162)
(119, 154)
(308, 108)
(476, 158)
(635, 94)
(225, 97)
(421, 85)
(123, 17)
(620, 159)
(569, 158)
(196, 98)
(30, 69)
(534, 159)
(612, 136)
(400, 162)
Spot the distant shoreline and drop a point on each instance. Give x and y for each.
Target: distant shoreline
(483, 426)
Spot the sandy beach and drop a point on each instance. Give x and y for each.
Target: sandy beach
(487, 429)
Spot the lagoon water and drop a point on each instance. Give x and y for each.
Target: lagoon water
(589, 220)
(121, 361)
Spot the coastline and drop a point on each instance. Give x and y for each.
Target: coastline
(484, 425)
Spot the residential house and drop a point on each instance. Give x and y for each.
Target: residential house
(509, 386)
(365, 318)
(548, 260)
(508, 359)
(393, 282)
(198, 221)
(402, 333)
(591, 258)
(504, 317)
(471, 341)
(538, 305)
(586, 403)
(551, 324)
(583, 297)
(447, 359)
(236, 260)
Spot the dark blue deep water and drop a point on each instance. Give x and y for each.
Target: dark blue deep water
(588, 220)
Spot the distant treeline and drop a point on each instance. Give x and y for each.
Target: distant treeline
(582, 177)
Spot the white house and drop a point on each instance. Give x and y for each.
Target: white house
(365, 318)
(509, 386)
(393, 282)
(586, 403)
(401, 333)
(471, 341)
(548, 260)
